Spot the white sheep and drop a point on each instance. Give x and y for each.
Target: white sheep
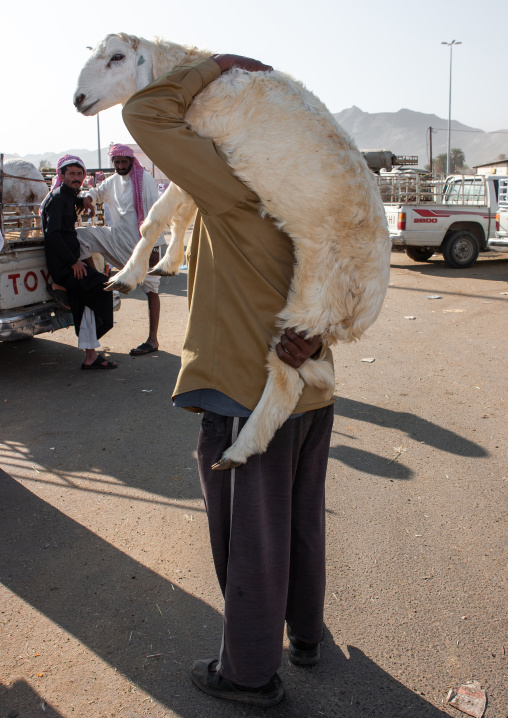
(30, 188)
(323, 195)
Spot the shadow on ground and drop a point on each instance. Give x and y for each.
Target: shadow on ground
(116, 427)
(135, 436)
(103, 597)
(412, 425)
(491, 266)
(20, 700)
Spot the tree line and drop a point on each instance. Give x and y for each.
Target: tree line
(457, 162)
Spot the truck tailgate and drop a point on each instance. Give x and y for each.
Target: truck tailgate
(23, 278)
(392, 216)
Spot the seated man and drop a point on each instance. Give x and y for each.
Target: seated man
(91, 305)
(130, 193)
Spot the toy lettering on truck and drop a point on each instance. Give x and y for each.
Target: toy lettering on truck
(26, 307)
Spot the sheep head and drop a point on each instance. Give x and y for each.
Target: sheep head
(119, 66)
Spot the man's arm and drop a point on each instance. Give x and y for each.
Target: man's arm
(293, 349)
(87, 205)
(100, 193)
(155, 117)
(228, 62)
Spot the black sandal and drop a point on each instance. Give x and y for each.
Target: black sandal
(99, 364)
(60, 297)
(144, 348)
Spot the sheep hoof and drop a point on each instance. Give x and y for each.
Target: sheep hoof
(161, 273)
(119, 286)
(225, 464)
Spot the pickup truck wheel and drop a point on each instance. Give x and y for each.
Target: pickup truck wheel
(461, 249)
(419, 254)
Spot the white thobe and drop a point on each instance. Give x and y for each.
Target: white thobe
(117, 243)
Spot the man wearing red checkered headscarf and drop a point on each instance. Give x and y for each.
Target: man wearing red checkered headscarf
(129, 194)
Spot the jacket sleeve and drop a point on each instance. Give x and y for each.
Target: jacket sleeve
(54, 241)
(155, 117)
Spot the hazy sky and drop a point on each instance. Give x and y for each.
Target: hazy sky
(380, 55)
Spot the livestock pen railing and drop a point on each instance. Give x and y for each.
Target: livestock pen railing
(415, 188)
(20, 223)
(410, 188)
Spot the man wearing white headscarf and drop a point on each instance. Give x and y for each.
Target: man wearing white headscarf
(130, 193)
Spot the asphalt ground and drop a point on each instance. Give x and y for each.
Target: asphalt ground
(107, 588)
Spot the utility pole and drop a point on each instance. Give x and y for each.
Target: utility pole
(430, 148)
(450, 44)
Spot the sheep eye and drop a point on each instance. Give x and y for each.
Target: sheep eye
(117, 57)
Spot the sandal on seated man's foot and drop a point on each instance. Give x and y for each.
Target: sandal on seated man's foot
(60, 297)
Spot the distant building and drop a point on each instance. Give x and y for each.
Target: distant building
(498, 167)
(147, 163)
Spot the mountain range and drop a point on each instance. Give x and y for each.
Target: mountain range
(89, 157)
(405, 132)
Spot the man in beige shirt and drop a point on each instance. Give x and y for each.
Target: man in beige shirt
(266, 518)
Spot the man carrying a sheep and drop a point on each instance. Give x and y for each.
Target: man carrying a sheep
(129, 193)
(266, 517)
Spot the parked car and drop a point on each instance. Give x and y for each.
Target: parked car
(499, 243)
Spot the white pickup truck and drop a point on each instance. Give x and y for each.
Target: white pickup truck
(455, 217)
(26, 308)
(499, 243)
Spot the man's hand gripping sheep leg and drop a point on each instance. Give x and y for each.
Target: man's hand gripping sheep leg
(289, 366)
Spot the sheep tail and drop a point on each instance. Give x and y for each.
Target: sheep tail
(280, 396)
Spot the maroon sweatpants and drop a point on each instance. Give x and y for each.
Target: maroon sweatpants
(267, 533)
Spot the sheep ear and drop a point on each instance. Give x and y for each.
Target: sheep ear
(144, 69)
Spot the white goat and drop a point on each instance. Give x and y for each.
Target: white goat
(323, 195)
(30, 188)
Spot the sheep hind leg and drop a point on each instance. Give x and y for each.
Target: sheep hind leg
(320, 374)
(175, 254)
(24, 223)
(280, 396)
(157, 220)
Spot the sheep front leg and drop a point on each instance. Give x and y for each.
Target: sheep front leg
(280, 396)
(137, 267)
(182, 217)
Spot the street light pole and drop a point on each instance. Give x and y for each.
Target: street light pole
(450, 44)
(98, 130)
(99, 140)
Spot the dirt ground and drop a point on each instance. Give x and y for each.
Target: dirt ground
(108, 592)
